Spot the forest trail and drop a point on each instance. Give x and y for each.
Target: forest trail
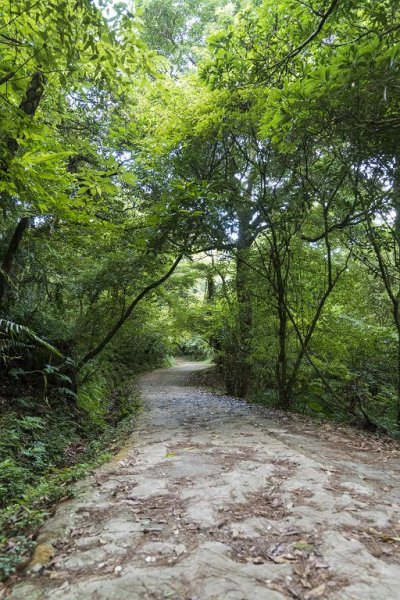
(214, 498)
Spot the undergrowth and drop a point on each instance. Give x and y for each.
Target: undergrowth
(44, 447)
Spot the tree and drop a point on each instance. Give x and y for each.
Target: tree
(51, 60)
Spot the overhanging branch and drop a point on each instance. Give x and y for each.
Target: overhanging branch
(95, 351)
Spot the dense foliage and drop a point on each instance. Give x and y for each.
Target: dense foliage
(205, 178)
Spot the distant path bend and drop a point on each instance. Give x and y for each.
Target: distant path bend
(217, 499)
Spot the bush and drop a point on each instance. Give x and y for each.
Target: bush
(194, 347)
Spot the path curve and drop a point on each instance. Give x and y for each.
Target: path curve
(217, 499)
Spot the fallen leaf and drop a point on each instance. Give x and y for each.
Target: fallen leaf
(108, 569)
(170, 455)
(303, 545)
(330, 469)
(320, 565)
(389, 538)
(282, 558)
(317, 592)
(42, 555)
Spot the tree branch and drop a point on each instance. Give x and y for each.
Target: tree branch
(310, 38)
(95, 351)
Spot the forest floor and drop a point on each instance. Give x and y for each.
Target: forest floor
(216, 498)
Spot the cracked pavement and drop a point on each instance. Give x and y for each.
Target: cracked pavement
(216, 498)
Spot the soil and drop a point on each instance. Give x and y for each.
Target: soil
(215, 498)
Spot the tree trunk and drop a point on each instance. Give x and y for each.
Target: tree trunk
(282, 359)
(28, 105)
(396, 299)
(238, 368)
(8, 259)
(398, 372)
(210, 283)
(241, 374)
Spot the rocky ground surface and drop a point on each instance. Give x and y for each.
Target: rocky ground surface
(214, 498)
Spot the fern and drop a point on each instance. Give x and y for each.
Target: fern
(19, 338)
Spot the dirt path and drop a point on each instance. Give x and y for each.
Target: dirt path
(217, 499)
